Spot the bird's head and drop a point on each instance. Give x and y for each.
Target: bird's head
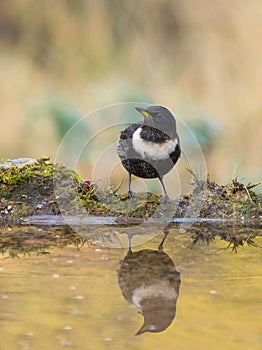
(158, 313)
(160, 118)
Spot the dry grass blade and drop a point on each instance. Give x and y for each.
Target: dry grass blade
(196, 180)
(249, 185)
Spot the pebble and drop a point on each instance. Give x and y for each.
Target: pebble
(19, 162)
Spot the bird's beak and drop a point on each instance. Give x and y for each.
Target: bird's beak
(142, 330)
(144, 112)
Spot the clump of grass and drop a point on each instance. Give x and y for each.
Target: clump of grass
(231, 201)
(202, 237)
(239, 240)
(237, 186)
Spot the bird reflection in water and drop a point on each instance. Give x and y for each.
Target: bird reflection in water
(149, 280)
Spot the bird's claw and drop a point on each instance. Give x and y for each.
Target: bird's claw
(130, 194)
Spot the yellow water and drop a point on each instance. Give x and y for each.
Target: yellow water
(71, 298)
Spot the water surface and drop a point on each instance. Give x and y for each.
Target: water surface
(79, 297)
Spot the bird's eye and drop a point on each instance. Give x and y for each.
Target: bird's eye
(159, 116)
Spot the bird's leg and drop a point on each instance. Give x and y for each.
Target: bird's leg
(129, 193)
(166, 232)
(165, 195)
(129, 244)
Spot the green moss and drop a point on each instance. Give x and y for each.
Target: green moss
(29, 188)
(14, 175)
(41, 168)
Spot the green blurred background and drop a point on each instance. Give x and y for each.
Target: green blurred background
(62, 59)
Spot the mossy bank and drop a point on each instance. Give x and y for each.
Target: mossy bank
(39, 187)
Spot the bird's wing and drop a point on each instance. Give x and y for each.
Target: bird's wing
(129, 131)
(124, 146)
(152, 134)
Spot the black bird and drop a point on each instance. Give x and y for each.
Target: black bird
(150, 148)
(149, 280)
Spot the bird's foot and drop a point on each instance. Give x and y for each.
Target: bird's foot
(130, 195)
(165, 198)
